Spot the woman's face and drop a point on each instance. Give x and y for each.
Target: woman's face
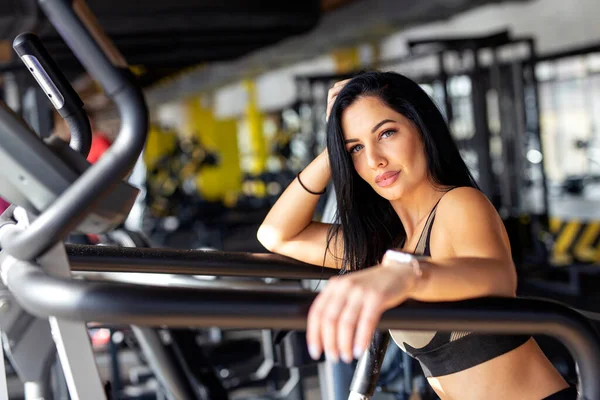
(385, 147)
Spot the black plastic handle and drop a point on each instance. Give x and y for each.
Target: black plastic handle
(57, 88)
(366, 374)
(77, 201)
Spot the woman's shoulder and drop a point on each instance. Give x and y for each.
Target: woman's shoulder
(468, 222)
(464, 201)
(462, 194)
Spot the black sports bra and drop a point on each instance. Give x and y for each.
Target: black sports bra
(443, 353)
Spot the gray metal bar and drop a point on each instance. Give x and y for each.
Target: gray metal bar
(79, 32)
(72, 340)
(3, 384)
(161, 364)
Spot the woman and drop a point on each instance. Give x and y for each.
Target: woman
(401, 183)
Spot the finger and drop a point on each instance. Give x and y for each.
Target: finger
(333, 92)
(347, 324)
(342, 82)
(335, 305)
(367, 322)
(315, 317)
(313, 336)
(336, 88)
(329, 106)
(330, 103)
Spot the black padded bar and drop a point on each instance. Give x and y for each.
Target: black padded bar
(78, 200)
(44, 296)
(81, 132)
(191, 262)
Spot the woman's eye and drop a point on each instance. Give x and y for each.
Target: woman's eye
(356, 148)
(387, 134)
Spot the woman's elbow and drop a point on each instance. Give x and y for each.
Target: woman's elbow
(504, 285)
(269, 238)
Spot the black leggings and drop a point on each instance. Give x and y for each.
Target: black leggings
(569, 393)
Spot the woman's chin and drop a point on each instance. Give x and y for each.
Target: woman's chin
(390, 194)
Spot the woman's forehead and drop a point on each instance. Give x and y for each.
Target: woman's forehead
(365, 113)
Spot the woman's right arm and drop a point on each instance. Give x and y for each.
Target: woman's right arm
(289, 229)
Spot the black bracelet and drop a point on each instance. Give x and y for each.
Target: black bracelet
(307, 189)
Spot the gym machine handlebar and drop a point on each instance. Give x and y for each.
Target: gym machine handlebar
(56, 86)
(84, 37)
(45, 296)
(191, 262)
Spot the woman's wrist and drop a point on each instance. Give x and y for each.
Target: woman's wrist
(307, 189)
(315, 177)
(407, 265)
(321, 164)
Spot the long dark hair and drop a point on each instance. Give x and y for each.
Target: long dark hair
(368, 223)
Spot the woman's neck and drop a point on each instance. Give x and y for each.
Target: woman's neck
(414, 207)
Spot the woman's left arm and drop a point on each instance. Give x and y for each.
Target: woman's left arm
(478, 260)
(478, 263)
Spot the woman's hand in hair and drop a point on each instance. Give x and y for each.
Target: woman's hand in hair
(332, 94)
(344, 316)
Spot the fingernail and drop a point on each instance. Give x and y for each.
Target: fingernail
(346, 358)
(358, 352)
(332, 357)
(314, 352)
